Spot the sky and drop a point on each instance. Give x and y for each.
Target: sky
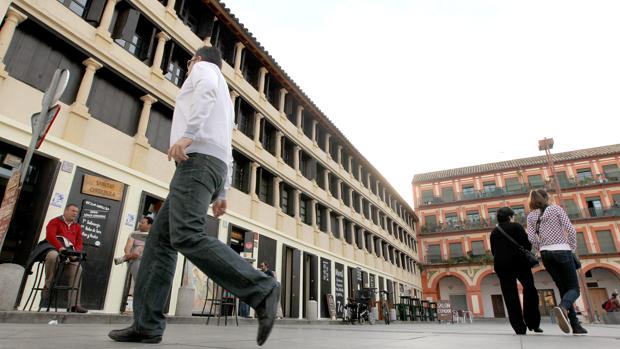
(420, 86)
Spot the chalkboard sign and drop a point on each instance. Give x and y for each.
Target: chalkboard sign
(339, 289)
(372, 281)
(326, 286)
(93, 218)
(329, 299)
(444, 311)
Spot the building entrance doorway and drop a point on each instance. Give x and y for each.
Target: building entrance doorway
(28, 218)
(546, 301)
(498, 306)
(310, 275)
(291, 272)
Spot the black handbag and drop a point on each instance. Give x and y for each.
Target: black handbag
(529, 256)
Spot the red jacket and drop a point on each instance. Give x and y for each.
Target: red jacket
(73, 233)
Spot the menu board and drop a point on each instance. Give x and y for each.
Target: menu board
(339, 289)
(93, 218)
(444, 310)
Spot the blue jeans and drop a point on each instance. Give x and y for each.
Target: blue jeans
(179, 228)
(561, 267)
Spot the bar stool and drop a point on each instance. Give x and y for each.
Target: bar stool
(432, 307)
(225, 301)
(416, 309)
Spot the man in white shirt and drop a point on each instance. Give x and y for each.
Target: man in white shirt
(201, 146)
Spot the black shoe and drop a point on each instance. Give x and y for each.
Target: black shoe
(78, 309)
(130, 335)
(561, 317)
(578, 330)
(266, 313)
(536, 330)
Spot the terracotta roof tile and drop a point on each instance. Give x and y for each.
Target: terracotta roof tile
(517, 163)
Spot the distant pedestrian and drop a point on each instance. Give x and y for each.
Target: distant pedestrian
(551, 232)
(511, 265)
(201, 146)
(612, 304)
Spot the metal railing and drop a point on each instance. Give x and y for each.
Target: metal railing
(459, 225)
(565, 183)
(487, 257)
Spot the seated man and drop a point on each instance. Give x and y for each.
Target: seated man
(65, 234)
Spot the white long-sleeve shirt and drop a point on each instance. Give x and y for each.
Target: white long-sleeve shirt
(204, 113)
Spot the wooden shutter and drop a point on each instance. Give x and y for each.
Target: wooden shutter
(95, 11)
(126, 24)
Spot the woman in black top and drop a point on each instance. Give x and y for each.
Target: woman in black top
(511, 265)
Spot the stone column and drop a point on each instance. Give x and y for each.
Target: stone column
(339, 189)
(13, 18)
(296, 159)
(282, 102)
(314, 133)
(359, 174)
(326, 181)
(327, 140)
(339, 156)
(78, 114)
(350, 160)
(313, 213)
(238, 53)
(351, 197)
(262, 76)
(279, 138)
(170, 8)
(141, 144)
(341, 227)
(353, 235)
(296, 199)
(328, 220)
(300, 113)
(253, 173)
(276, 192)
(257, 122)
(159, 55)
(103, 31)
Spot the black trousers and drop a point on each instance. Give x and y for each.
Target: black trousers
(529, 316)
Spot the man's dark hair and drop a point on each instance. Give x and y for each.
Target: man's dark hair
(210, 54)
(266, 264)
(504, 214)
(148, 219)
(72, 205)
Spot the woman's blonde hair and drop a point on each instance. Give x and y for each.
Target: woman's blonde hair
(538, 199)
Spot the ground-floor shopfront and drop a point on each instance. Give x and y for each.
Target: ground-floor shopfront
(477, 289)
(112, 198)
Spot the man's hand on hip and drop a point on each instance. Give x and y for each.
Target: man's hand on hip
(177, 151)
(219, 207)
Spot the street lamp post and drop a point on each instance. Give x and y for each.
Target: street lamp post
(546, 144)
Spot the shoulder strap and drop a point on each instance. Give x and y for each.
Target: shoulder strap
(542, 211)
(508, 237)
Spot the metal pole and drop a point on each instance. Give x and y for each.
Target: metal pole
(580, 274)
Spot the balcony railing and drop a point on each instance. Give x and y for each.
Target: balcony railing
(566, 183)
(456, 226)
(485, 258)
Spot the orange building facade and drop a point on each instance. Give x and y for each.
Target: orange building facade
(457, 210)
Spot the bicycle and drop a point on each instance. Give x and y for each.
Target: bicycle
(359, 309)
(385, 309)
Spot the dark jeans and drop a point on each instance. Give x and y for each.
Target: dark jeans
(530, 315)
(561, 267)
(179, 228)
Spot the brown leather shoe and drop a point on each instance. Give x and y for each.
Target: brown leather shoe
(130, 335)
(78, 309)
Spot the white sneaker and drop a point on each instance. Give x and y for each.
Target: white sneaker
(562, 319)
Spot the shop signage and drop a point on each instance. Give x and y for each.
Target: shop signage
(93, 218)
(372, 281)
(103, 187)
(444, 310)
(331, 305)
(11, 194)
(339, 288)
